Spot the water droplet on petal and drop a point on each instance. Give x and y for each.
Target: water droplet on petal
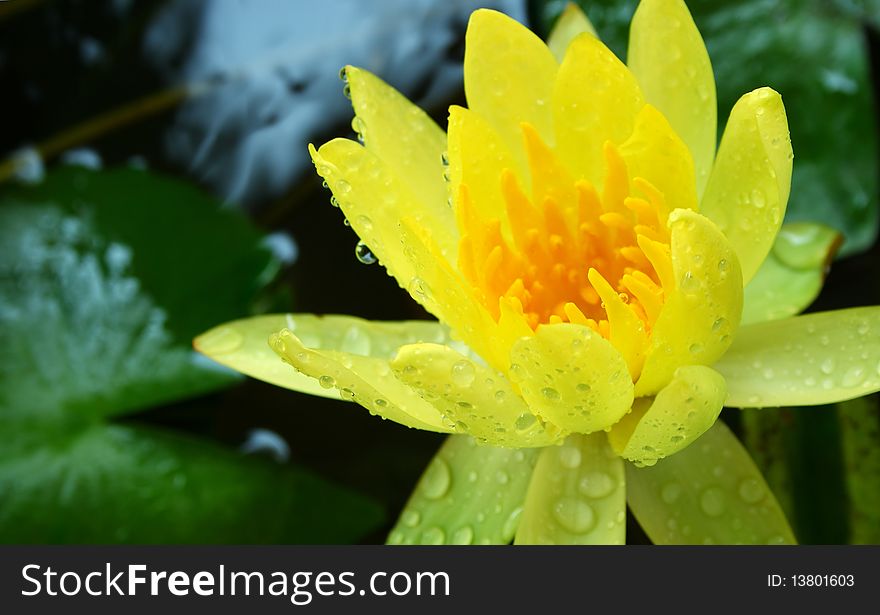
(436, 480)
(433, 536)
(550, 393)
(670, 492)
(410, 518)
(574, 515)
(363, 253)
(327, 382)
(712, 501)
(463, 373)
(462, 536)
(569, 457)
(751, 491)
(596, 485)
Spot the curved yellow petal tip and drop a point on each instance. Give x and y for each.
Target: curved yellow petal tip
(747, 200)
(679, 414)
(571, 23)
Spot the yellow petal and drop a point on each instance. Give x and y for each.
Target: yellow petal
(508, 77)
(804, 361)
(680, 413)
(709, 493)
(749, 184)
(477, 158)
(243, 345)
(571, 22)
(404, 137)
(701, 314)
(478, 399)
(469, 494)
(445, 293)
(655, 153)
(577, 495)
(595, 99)
(374, 199)
(572, 376)
(669, 58)
(353, 355)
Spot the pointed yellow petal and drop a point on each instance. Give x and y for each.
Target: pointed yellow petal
(508, 77)
(404, 137)
(792, 274)
(243, 345)
(709, 493)
(331, 354)
(669, 58)
(595, 100)
(445, 509)
(477, 158)
(572, 376)
(364, 378)
(571, 22)
(478, 399)
(703, 309)
(655, 153)
(374, 199)
(577, 495)
(680, 413)
(804, 361)
(748, 188)
(444, 293)
(627, 331)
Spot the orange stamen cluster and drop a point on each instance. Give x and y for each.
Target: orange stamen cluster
(569, 253)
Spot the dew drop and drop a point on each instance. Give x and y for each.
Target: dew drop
(758, 199)
(670, 492)
(569, 457)
(583, 387)
(437, 479)
(854, 376)
(462, 536)
(574, 515)
(712, 502)
(550, 393)
(363, 253)
(463, 373)
(433, 536)
(827, 366)
(524, 420)
(751, 491)
(723, 265)
(695, 348)
(410, 518)
(596, 485)
(343, 187)
(502, 477)
(327, 382)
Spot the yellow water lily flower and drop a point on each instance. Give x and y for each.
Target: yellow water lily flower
(584, 248)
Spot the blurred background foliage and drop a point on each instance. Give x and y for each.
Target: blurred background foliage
(156, 183)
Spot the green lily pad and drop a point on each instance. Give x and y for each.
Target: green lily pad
(814, 54)
(104, 279)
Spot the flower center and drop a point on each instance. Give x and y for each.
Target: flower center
(569, 253)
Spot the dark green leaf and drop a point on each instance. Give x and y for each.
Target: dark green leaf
(105, 277)
(126, 484)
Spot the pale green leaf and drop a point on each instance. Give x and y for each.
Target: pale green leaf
(577, 495)
(469, 494)
(709, 493)
(804, 361)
